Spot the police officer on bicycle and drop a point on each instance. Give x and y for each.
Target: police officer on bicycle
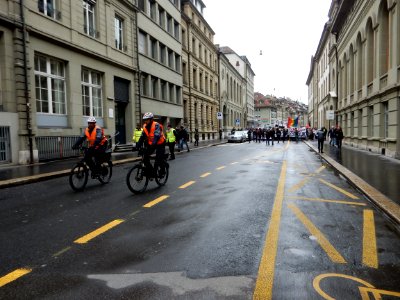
(97, 144)
(154, 140)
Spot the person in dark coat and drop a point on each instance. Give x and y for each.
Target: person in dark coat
(196, 137)
(321, 139)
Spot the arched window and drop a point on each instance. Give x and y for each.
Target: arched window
(383, 30)
(345, 77)
(351, 70)
(370, 52)
(360, 60)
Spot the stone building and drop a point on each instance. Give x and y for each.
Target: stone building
(199, 71)
(232, 92)
(364, 60)
(160, 60)
(60, 62)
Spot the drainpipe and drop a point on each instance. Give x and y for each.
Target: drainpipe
(219, 90)
(139, 74)
(190, 82)
(337, 77)
(26, 88)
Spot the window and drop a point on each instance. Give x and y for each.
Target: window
(50, 85)
(48, 7)
(178, 95)
(184, 73)
(154, 87)
(153, 15)
(161, 17)
(163, 53)
(177, 63)
(385, 120)
(118, 33)
(163, 90)
(171, 93)
(183, 38)
(91, 93)
(171, 59)
(141, 5)
(153, 43)
(169, 24)
(143, 84)
(142, 42)
(176, 30)
(89, 18)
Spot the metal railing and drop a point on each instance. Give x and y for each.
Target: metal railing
(56, 147)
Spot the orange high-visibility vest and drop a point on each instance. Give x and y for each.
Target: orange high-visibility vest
(91, 136)
(150, 135)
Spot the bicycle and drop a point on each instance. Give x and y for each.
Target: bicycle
(138, 176)
(79, 174)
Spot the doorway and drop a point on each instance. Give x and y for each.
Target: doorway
(120, 122)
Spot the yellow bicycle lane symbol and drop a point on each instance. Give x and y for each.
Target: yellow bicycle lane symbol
(365, 289)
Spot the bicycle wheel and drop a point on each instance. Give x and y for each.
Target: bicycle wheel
(78, 177)
(162, 174)
(106, 172)
(137, 180)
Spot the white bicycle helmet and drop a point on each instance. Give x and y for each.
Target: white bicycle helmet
(148, 115)
(91, 120)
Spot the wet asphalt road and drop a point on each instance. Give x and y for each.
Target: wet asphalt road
(238, 221)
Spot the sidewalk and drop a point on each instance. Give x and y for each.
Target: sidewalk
(11, 175)
(372, 174)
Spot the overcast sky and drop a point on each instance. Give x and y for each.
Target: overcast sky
(287, 32)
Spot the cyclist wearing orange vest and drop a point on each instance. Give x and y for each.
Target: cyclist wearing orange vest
(152, 139)
(97, 143)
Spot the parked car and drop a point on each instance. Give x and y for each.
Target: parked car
(238, 136)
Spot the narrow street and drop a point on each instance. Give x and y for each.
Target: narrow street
(234, 221)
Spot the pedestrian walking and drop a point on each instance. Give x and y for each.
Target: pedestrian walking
(196, 137)
(339, 136)
(249, 135)
(183, 138)
(171, 139)
(137, 133)
(321, 139)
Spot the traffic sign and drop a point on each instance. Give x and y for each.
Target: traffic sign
(219, 115)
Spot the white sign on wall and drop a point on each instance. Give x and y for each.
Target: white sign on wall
(219, 115)
(330, 115)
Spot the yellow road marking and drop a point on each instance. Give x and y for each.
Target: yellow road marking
(317, 283)
(320, 169)
(155, 201)
(86, 238)
(376, 293)
(333, 254)
(184, 186)
(299, 185)
(327, 200)
(304, 181)
(220, 168)
(13, 276)
(61, 251)
(205, 174)
(265, 278)
(338, 189)
(370, 256)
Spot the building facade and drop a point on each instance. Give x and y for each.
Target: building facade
(365, 68)
(160, 60)
(200, 72)
(60, 62)
(232, 93)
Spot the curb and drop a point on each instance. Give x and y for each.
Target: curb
(50, 175)
(391, 208)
